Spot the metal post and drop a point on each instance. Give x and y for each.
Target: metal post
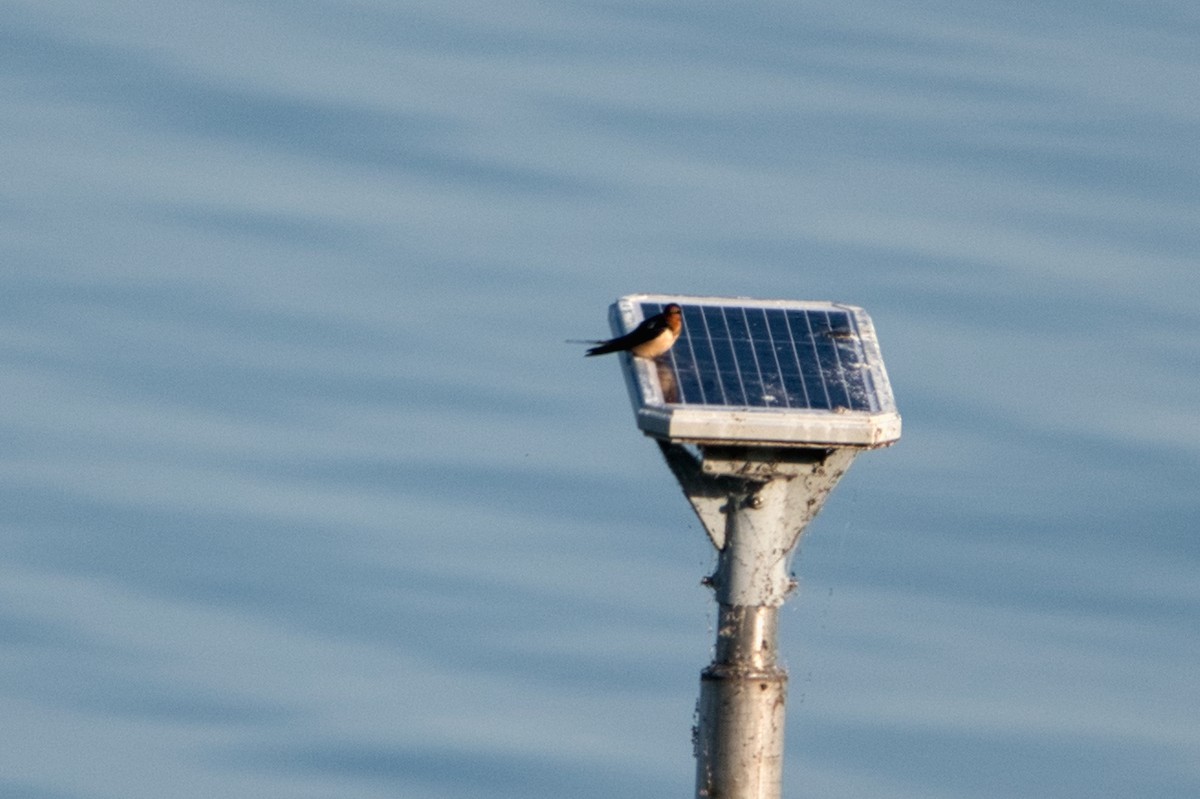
(769, 496)
(739, 738)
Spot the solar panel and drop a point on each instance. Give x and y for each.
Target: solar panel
(768, 372)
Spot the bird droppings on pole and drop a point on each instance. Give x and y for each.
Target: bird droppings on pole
(759, 407)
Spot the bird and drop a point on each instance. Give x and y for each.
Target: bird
(651, 338)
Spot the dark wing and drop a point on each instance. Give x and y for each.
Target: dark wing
(640, 334)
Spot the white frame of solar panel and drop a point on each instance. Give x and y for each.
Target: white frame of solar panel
(751, 425)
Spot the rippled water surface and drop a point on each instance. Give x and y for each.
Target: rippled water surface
(304, 495)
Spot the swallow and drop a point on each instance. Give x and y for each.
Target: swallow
(651, 338)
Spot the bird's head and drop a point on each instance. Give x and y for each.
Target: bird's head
(674, 316)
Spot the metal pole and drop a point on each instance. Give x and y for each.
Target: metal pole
(739, 740)
(743, 692)
(769, 498)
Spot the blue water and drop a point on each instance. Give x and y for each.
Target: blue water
(304, 495)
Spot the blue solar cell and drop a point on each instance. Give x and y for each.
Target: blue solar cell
(699, 364)
(716, 337)
(795, 392)
(770, 384)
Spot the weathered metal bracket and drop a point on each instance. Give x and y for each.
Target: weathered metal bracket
(719, 479)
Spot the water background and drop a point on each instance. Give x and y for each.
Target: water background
(302, 494)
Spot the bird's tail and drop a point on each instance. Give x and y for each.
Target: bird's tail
(603, 348)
